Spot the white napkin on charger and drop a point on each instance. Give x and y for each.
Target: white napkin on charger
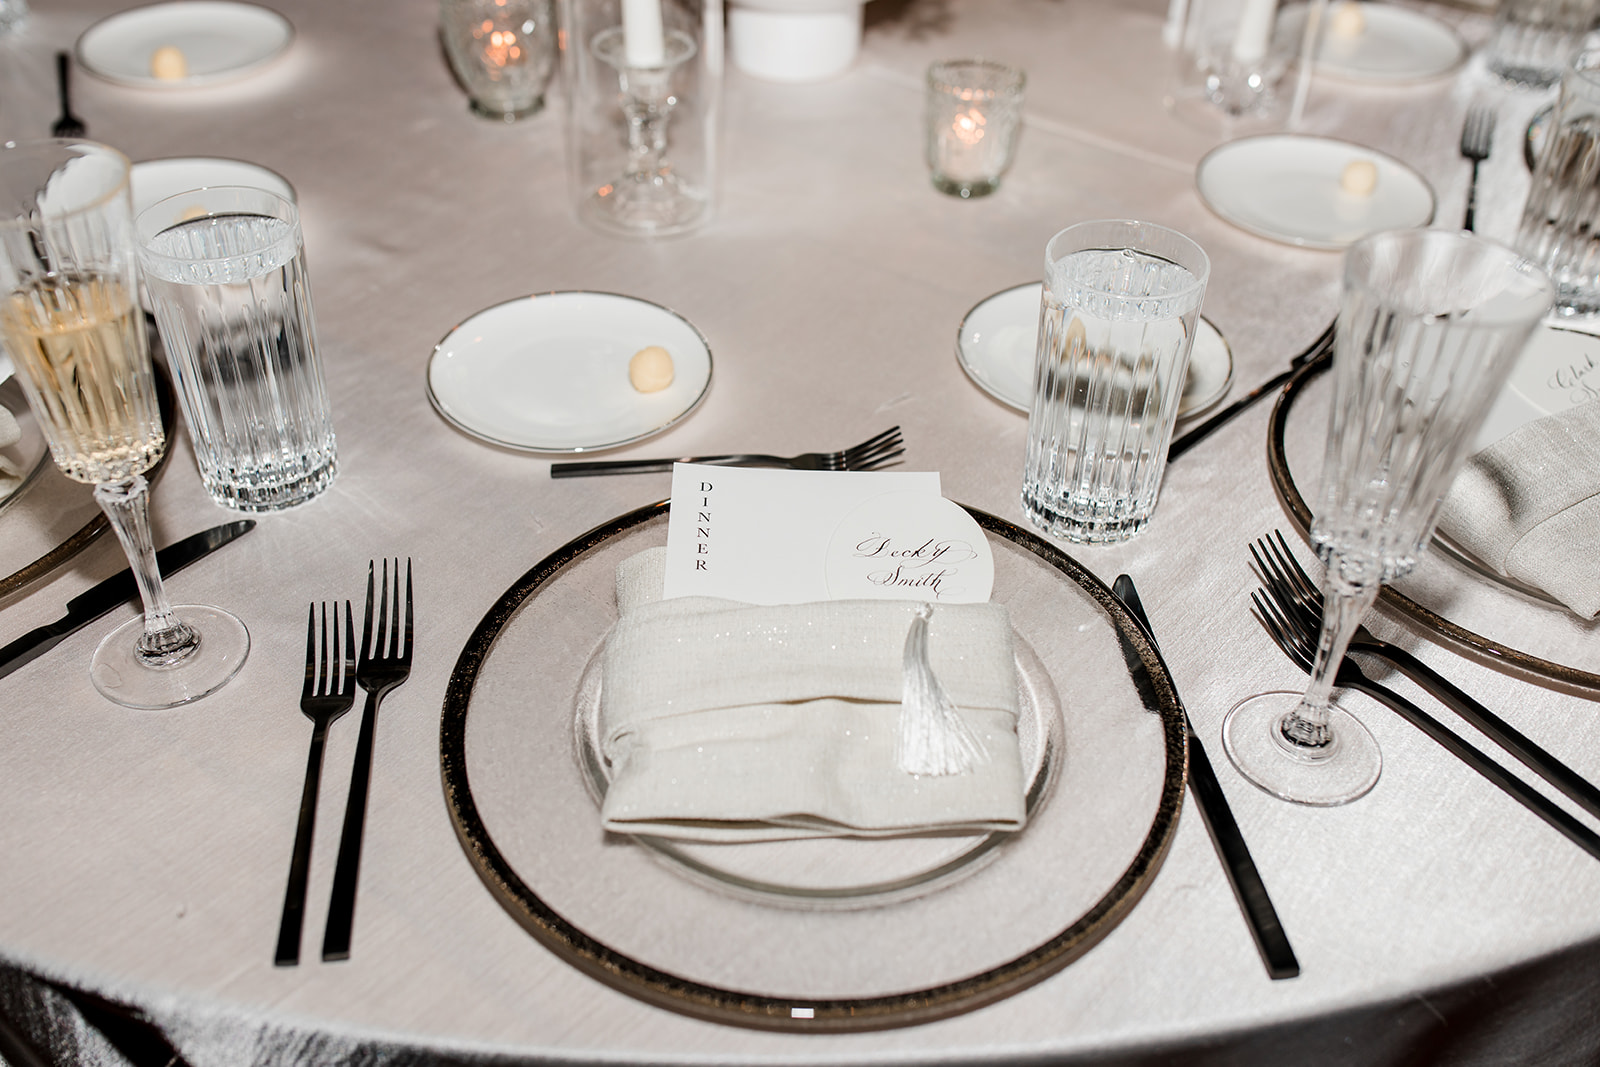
(11, 474)
(1529, 506)
(731, 722)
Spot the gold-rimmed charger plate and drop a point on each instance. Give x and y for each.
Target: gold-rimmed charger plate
(634, 917)
(1449, 597)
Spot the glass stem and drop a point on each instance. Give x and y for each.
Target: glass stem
(166, 638)
(1306, 727)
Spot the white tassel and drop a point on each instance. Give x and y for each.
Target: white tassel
(934, 738)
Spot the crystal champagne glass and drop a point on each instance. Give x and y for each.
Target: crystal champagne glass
(1430, 324)
(71, 320)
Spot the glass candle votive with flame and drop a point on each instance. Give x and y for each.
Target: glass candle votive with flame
(503, 51)
(973, 113)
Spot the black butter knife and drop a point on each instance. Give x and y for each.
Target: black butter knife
(1248, 889)
(117, 589)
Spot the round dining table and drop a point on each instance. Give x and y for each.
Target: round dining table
(143, 854)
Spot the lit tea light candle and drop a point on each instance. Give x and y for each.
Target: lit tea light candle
(644, 43)
(968, 127)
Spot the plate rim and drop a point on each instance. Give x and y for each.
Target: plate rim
(294, 194)
(734, 1007)
(539, 450)
(1430, 622)
(1400, 14)
(1303, 242)
(193, 81)
(967, 367)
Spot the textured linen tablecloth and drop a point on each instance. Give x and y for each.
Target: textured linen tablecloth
(143, 855)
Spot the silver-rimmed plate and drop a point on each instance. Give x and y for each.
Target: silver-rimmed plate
(870, 955)
(995, 344)
(156, 179)
(1382, 44)
(220, 41)
(549, 372)
(1288, 187)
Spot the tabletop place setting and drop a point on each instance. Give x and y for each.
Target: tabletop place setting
(732, 667)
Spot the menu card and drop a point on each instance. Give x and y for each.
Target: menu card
(794, 537)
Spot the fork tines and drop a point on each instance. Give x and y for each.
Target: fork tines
(874, 452)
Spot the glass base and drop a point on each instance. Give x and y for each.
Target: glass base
(254, 493)
(1082, 529)
(123, 677)
(655, 207)
(966, 190)
(1344, 770)
(506, 112)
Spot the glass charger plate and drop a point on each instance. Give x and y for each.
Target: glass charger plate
(1450, 596)
(53, 512)
(831, 935)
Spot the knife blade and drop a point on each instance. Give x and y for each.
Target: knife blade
(117, 589)
(1271, 940)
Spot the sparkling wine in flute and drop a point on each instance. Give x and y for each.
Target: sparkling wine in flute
(79, 342)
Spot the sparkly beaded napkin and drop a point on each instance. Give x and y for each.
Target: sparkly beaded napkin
(1529, 506)
(728, 722)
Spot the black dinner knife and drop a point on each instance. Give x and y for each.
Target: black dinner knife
(1276, 953)
(117, 589)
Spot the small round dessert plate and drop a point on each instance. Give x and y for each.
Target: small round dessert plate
(995, 346)
(1380, 43)
(218, 40)
(1291, 188)
(549, 372)
(156, 179)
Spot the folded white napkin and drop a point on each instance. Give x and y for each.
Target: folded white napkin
(734, 722)
(1529, 506)
(10, 433)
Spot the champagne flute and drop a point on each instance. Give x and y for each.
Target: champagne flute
(71, 320)
(1430, 324)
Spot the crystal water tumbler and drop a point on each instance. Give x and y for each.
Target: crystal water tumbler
(1116, 324)
(226, 274)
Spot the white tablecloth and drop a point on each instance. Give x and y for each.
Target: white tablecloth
(144, 854)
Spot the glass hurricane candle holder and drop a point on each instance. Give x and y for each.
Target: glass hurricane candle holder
(644, 80)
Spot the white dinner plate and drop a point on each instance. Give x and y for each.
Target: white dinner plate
(549, 372)
(995, 345)
(1286, 187)
(1394, 45)
(220, 41)
(156, 179)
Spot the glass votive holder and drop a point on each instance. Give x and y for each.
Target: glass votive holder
(1237, 53)
(974, 110)
(503, 51)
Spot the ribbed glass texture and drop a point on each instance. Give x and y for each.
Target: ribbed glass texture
(1116, 324)
(233, 303)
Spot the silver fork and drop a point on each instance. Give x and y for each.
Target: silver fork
(384, 664)
(1299, 604)
(329, 692)
(869, 455)
(1477, 139)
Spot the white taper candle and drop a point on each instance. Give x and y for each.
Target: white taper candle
(1255, 30)
(642, 39)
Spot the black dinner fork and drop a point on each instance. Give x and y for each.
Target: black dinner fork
(1294, 644)
(384, 664)
(329, 692)
(1300, 602)
(67, 125)
(1477, 139)
(869, 455)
